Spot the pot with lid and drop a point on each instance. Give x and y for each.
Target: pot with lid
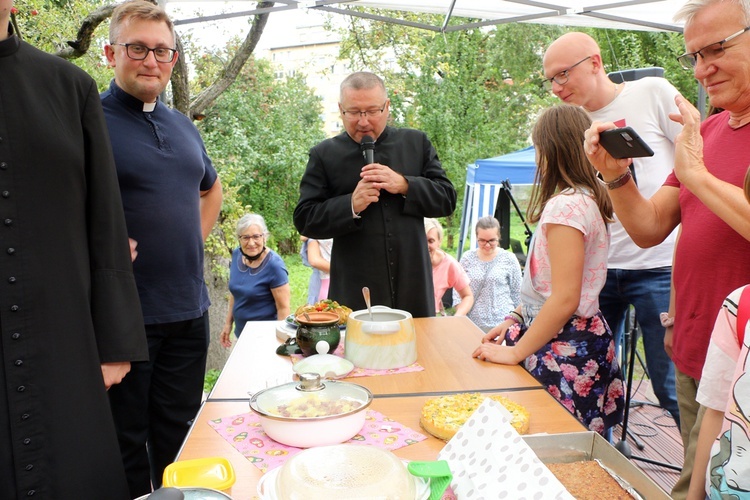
(312, 412)
(318, 332)
(388, 340)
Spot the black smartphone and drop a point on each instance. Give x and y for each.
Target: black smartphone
(624, 143)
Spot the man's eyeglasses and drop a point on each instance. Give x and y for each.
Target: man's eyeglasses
(487, 242)
(355, 114)
(245, 238)
(561, 78)
(709, 52)
(140, 52)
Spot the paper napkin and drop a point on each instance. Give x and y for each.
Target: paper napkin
(490, 460)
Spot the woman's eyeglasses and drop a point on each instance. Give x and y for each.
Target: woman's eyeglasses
(245, 238)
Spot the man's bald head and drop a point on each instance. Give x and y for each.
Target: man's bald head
(574, 61)
(572, 46)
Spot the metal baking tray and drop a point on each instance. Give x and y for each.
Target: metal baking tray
(577, 446)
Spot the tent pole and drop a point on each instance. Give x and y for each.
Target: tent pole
(465, 219)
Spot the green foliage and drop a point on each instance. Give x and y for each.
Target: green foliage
(258, 134)
(299, 277)
(639, 49)
(209, 381)
(50, 24)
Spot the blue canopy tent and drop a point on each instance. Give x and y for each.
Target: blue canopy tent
(484, 180)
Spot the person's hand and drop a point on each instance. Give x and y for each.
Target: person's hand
(501, 354)
(133, 253)
(382, 177)
(497, 334)
(364, 194)
(668, 340)
(113, 373)
(609, 167)
(225, 338)
(688, 145)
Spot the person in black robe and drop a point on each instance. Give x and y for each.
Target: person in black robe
(70, 318)
(375, 211)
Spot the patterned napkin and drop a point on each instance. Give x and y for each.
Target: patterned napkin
(246, 435)
(367, 372)
(489, 459)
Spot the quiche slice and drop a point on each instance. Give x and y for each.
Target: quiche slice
(444, 415)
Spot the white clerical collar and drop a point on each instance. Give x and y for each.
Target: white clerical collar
(148, 107)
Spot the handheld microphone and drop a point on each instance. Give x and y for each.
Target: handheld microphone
(368, 149)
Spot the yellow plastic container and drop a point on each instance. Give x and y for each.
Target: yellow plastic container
(213, 472)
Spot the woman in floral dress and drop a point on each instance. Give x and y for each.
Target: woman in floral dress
(558, 331)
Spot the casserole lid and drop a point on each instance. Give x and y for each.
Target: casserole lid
(310, 399)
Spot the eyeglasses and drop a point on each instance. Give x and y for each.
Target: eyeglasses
(487, 242)
(355, 114)
(709, 52)
(561, 78)
(140, 52)
(245, 238)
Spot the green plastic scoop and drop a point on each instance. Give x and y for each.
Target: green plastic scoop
(436, 471)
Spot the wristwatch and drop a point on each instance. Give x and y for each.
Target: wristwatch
(666, 320)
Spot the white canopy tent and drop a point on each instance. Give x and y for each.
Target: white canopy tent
(651, 15)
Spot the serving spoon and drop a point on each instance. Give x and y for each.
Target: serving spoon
(366, 294)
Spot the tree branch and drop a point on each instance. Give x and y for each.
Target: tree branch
(78, 47)
(180, 84)
(206, 98)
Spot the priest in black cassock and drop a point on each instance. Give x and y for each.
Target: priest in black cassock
(70, 318)
(375, 210)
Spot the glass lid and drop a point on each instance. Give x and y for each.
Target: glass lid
(310, 398)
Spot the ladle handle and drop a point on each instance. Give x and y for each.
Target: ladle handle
(366, 295)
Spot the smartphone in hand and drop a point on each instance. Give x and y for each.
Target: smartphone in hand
(624, 143)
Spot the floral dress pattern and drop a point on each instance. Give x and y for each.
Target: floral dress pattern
(578, 367)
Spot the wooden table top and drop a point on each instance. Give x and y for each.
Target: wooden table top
(444, 347)
(547, 416)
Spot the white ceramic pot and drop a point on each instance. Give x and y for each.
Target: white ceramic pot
(388, 340)
(290, 414)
